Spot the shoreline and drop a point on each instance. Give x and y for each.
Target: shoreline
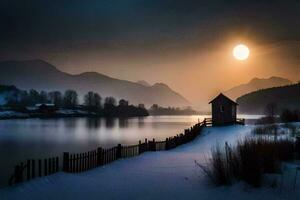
(9, 115)
(19, 115)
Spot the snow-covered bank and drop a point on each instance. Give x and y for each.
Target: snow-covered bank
(9, 114)
(13, 115)
(158, 175)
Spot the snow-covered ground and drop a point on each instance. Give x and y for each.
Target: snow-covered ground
(154, 175)
(12, 114)
(71, 112)
(9, 114)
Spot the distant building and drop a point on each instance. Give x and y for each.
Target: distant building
(123, 102)
(44, 104)
(46, 108)
(223, 110)
(141, 105)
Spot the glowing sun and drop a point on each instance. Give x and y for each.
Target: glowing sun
(241, 52)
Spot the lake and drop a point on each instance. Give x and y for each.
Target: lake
(41, 138)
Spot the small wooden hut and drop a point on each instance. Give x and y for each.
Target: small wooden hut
(223, 110)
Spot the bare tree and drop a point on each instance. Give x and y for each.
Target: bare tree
(43, 97)
(70, 98)
(97, 99)
(92, 100)
(24, 98)
(109, 102)
(55, 97)
(34, 97)
(88, 99)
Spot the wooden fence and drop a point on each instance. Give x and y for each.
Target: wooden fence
(209, 122)
(240, 121)
(30, 169)
(79, 162)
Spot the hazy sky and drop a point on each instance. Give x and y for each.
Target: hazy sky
(184, 43)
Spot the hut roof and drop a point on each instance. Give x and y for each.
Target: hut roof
(224, 97)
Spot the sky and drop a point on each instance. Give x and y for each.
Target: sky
(186, 44)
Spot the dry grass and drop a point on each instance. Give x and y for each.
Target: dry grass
(248, 160)
(271, 129)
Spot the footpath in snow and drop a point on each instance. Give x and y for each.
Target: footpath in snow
(153, 175)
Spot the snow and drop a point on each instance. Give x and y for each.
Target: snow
(12, 114)
(45, 104)
(153, 175)
(70, 111)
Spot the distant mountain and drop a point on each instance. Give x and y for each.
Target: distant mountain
(144, 83)
(256, 84)
(284, 97)
(40, 75)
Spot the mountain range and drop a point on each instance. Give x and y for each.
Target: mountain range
(41, 75)
(284, 97)
(256, 84)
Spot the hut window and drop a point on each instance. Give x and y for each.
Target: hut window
(221, 108)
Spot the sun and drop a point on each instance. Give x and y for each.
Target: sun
(241, 52)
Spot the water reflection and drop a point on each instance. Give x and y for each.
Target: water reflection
(110, 122)
(70, 122)
(93, 123)
(123, 122)
(141, 122)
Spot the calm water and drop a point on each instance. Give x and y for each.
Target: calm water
(42, 138)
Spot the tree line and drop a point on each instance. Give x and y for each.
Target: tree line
(285, 97)
(159, 110)
(20, 98)
(274, 114)
(92, 102)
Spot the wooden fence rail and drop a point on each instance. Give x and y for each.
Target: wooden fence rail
(79, 162)
(30, 169)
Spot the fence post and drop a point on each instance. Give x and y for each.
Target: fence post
(140, 146)
(18, 174)
(119, 151)
(28, 170)
(45, 167)
(153, 145)
(186, 131)
(297, 146)
(99, 156)
(167, 144)
(146, 144)
(49, 166)
(33, 169)
(53, 165)
(66, 162)
(77, 163)
(56, 164)
(40, 167)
